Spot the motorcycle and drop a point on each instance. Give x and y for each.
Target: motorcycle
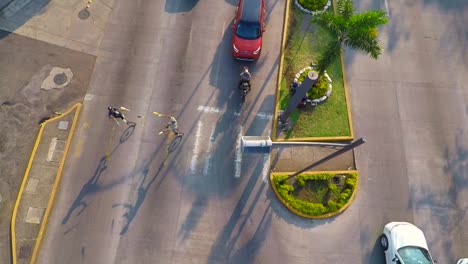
(244, 89)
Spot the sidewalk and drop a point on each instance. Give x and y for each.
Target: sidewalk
(57, 22)
(40, 181)
(295, 158)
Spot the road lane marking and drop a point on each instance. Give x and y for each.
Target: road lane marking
(207, 164)
(216, 110)
(196, 149)
(208, 109)
(238, 159)
(266, 167)
(262, 115)
(386, 7)
(89, 97)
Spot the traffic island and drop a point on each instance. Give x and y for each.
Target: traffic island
(327, 120)
(317, 194)
(40, 182)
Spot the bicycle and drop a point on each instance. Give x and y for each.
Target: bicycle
(171, 127)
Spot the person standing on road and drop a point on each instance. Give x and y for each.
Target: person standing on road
(116, 113)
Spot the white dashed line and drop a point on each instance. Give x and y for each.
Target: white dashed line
(209, 109)
(215, 110)
(238, 159)
(386, 7)
(196, 149)
(207, 164)
(89, 97)
(266, 167)
(264, 115)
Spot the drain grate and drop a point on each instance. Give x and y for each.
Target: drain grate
(60, 78)
(83, 14)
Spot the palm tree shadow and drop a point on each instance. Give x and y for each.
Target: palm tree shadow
(92, 186)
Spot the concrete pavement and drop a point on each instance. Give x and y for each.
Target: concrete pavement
(57, 22)
(411, 106)
(36, 46)
(40, 182)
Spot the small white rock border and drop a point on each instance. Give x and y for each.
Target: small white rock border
(330, 87)
(296, 2)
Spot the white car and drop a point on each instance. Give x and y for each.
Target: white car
(404, 243)
(463, 261)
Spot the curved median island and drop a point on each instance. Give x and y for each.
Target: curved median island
(316, 195)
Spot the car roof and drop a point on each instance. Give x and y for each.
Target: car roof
(251, 10)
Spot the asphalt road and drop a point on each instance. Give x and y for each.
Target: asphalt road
(182, 202)
(411, 105)
(155, 198)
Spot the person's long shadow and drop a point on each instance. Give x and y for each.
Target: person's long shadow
(93, 186)
(222, 247)
(144, 187)
(246, 254)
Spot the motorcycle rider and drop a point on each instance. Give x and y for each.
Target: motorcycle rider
(245, 77)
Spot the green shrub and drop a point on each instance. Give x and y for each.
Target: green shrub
(333, 207)
(315, 209)
(345, 195)
(333, 188)
(313, 5)
(319, 89)
(300, 182)
(351, 181)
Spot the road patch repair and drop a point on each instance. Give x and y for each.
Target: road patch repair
(40, 183)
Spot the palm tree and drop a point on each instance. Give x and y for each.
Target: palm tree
(357, 31)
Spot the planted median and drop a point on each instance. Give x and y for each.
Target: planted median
(316, 194)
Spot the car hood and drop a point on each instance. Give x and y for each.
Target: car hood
(247, 44)
(406, 234)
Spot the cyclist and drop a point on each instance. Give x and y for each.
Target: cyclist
(173, 127)
(116, 113)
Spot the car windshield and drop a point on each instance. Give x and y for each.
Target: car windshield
(414, 255)
(248, 30)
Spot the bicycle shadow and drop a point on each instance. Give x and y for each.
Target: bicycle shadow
(144, 186)
(92, 186)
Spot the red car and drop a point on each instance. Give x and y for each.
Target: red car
(248, 27)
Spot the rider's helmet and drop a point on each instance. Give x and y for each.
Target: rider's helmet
(245, 69)
(110, 108)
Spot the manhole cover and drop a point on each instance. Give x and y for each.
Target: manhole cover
(25, 251)
(83, 14)
(60, 78)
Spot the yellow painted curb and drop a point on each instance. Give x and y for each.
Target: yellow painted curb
(25, 179)
(280, 68)
(37, 245)
(315, 139)
(278, 90)
(296, 212)
(348, 106)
